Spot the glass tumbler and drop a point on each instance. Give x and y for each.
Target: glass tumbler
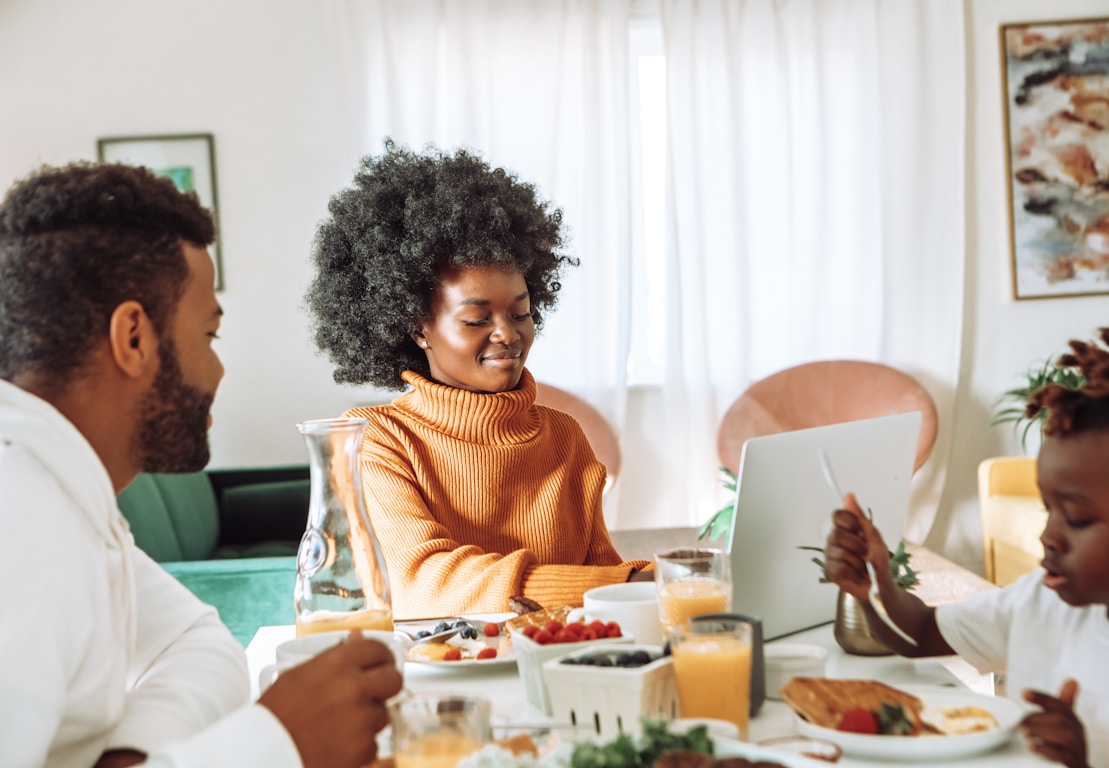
(692, 581)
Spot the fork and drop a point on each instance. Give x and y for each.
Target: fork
(874, 595)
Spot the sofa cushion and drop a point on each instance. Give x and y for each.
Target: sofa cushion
(144, 507)
(260, 513)
(193, 512)
(248, 593)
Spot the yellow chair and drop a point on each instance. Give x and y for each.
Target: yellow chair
(602, 437)
(1013, 517)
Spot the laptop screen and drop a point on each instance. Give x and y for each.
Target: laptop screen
(783, 502)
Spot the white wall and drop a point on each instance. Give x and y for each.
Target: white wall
(1002, 337)
(258, 74)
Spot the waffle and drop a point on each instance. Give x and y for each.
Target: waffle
(538, 618)
(823, 700)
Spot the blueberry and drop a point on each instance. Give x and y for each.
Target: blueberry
(666, 649)
(639, 658)
(570, 660)
(625, 660)
(603, 661)
(423, 633)
(468, 632)
(442, 626)
(460, 624)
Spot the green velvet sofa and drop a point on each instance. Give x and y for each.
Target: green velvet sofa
(229, 535)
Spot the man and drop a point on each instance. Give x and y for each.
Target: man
(107, 318)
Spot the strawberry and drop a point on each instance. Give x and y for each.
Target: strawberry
(858, 721)
(531, 631)
(492, 630)
(554, 626)
(454, 654)
(487, 653)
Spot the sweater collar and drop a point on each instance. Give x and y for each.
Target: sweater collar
(498, 417)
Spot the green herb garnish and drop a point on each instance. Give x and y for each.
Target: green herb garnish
(893, 720)
(626, 752)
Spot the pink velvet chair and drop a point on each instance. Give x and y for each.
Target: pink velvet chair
(820, 393)
(602, 437)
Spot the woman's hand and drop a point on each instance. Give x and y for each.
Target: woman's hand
(1056, 733)
(852, 541)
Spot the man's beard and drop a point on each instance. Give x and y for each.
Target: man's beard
(173, 429)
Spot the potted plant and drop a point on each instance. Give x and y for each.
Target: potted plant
(1010, 405)
(719, 525)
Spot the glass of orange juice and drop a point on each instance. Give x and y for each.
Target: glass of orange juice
(436, 730)
(712, 669)
(692, 581)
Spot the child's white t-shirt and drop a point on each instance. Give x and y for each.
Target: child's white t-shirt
(1027, 631)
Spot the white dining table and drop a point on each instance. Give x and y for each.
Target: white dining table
(503, 686)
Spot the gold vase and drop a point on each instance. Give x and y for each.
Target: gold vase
(851, 630)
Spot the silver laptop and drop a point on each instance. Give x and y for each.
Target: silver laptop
(783, 502)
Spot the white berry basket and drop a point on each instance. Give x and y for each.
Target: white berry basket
(611, 700)
(530, 657)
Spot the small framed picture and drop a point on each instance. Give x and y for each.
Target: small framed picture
(1056, 85)
(187, 159)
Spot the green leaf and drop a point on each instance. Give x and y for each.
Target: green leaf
(893, 721)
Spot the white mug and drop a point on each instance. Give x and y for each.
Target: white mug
(294, 652)
(633, 605)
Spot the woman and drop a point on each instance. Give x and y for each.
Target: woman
(432, 272)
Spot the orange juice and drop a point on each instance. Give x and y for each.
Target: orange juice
(436, 750)
(713, 675)
(328, 621)
(679, 601)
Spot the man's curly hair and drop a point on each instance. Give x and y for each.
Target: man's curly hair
(408, 218)
(1070, 411)
(77, 241)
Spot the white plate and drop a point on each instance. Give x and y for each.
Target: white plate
(731, 748)
(923, 748)
(506, 654)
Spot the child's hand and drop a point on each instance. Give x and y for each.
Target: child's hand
(852, 541)
(1056, 733)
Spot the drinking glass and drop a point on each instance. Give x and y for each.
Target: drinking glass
(436, 730)
(692, 581)
(712, 669)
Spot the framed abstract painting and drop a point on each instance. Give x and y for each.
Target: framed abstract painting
(1056, 87)
(187, 159)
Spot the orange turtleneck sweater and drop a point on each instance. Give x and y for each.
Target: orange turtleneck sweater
(478, 497)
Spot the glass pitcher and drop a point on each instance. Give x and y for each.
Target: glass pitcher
(341, 578)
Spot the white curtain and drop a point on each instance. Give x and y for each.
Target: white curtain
(539, 88)
(816, 173)
(817, 167)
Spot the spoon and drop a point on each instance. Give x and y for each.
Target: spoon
(874, 594)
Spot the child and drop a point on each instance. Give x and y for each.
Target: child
(1049, 631)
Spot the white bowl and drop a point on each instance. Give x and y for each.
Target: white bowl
(784, 661)
(530, 656)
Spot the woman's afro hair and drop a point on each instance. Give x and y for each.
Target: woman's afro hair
(407, 218)
(1077, 410)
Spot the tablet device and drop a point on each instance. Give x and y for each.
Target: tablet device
(783, 502)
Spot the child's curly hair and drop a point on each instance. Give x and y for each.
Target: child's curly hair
(1077, 410)
(407, 218)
